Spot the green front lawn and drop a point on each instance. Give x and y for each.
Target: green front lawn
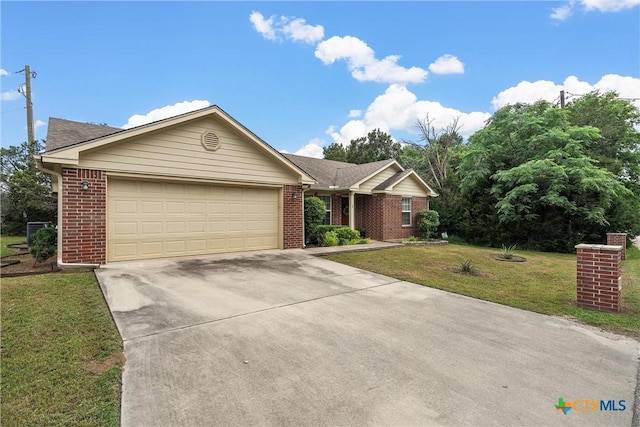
(61, 353)
(10, 240)
(545, 283)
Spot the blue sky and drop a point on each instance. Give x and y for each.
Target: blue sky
(305, 74)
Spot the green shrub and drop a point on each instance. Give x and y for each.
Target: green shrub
(466, 266)
(364, 241)
(320, 231)
(428, 222)
(43, 246)
(330, 239)
(412, 239)
(314, 212)
(507, 251)
(346, 234)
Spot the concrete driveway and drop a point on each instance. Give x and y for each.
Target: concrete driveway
(284, 338)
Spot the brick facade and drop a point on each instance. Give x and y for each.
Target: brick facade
(381, 216)
(293, 216)
(618, 239)
(599, 277)
(84, 219)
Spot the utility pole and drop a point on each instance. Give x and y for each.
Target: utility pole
(31, 141)
(562, 99)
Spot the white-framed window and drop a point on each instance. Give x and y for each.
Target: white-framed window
(327, 206)
(406, 211)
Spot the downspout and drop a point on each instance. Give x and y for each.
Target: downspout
(58, 175)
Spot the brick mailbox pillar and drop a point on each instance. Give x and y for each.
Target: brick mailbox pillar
(618, 239)
(599, 279)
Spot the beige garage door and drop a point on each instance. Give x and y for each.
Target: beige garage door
(149, 219)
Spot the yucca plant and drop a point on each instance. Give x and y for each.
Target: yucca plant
(507, 251)
(466, 266)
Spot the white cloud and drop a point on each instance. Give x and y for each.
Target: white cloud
(263, 26)
(398, 109)
(529, 92)
(355, 114)
(312, 149)
(299, 30)
(363, 64)
(165, 112)
(10, 95)
(609, 5)
(295, 29)
(563, 12)
(3, 72)
(447, 64)
(39, 123)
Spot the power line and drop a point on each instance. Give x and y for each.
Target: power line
(11, 111)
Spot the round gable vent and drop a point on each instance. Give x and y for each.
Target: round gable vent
(210, 141)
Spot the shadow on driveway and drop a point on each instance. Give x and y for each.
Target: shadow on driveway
(284, 338)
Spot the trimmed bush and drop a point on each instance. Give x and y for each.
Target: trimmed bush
(320, 231)
(428, 222)
(43, 246)
(346, 235)
(330, 239)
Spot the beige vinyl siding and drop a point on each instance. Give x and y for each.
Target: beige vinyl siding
(409, 187)
(178, 151)
(155, 219)
(377, 179)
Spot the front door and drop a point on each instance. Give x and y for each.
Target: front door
(345, 211)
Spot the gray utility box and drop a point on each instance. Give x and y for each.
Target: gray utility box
(32, 227)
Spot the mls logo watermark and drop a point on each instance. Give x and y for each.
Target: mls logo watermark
(590, 405)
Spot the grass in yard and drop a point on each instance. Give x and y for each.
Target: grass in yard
(545, 283)
(10, 240)
(61, 353)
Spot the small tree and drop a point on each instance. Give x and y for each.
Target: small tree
(44, 244)
(428, 222)
(314, 212)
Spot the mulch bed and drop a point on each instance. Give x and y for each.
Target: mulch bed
(514, 258)
(21, 264)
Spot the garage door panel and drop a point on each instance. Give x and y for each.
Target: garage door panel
(151, 207)
(151, 227)
(160, 219)
(150, 249)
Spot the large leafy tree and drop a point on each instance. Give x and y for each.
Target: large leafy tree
(25, 190)
(528, 178)
(618, 149)
(377, 145)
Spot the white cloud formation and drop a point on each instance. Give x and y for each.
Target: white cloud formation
(295, 29)
(355, 114)
(529, 92)
(609, 5)
(398, 109)
(312, 149)
(3, 72)
(363, 64)
(39, 123)
(447, 64)
(165, 112)
(299, 30)
(563, 12)
(263, 26)
(11, 95)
